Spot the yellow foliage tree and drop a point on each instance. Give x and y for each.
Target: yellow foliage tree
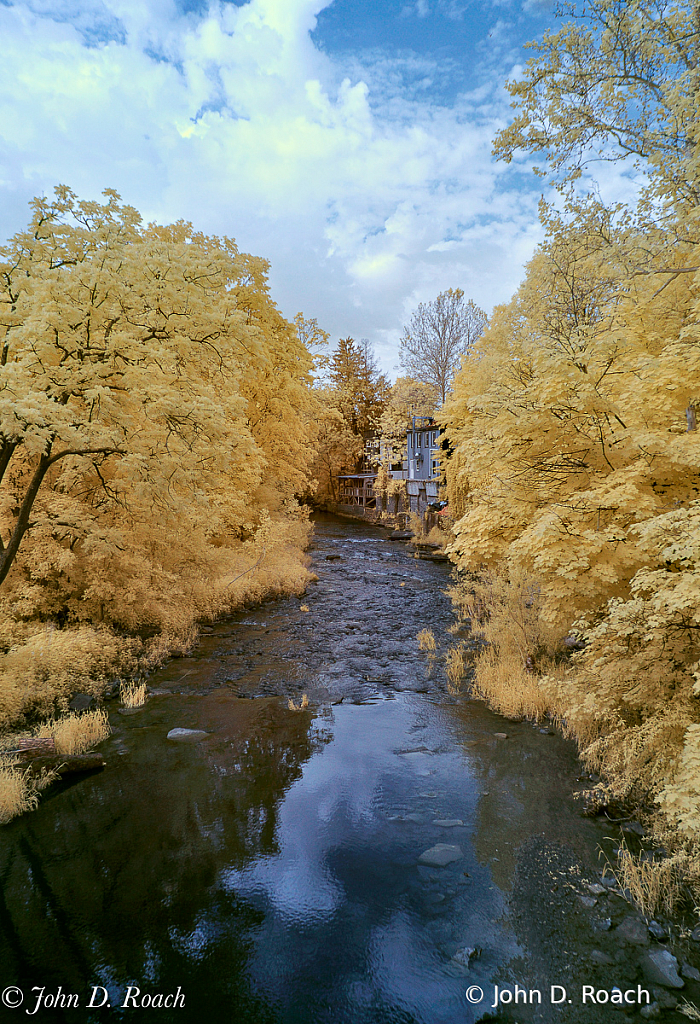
(574, 422)
(156, 419)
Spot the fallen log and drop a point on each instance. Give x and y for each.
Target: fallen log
(66, 764)
(31, 747)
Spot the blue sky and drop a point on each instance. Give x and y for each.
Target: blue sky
(346, 141)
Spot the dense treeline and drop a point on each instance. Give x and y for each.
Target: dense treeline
(156, 422)
(576, 475)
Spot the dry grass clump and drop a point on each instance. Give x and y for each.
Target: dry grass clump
(659, 885)
(426, 640)
(504, 613)
(132, 695)
(77, 733)
(303, 703)
(438, 536)
(173, 642)
(52, 664)
(689, 1010)
(303, 608)
(502, 681)
(456, 661)
(19, 792)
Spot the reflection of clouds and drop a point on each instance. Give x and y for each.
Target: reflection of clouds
(333, 805)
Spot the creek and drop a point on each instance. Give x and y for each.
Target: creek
(270, 872)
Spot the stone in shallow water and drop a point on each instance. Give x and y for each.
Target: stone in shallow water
(440, 856)
(465, 956)
(448, 822)
(187, 735)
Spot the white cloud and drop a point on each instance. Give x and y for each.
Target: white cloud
(365, 192)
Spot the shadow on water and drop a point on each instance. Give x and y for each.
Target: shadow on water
(271, 871)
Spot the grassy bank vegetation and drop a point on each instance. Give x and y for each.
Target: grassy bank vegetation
(575, 481)
(157, 420)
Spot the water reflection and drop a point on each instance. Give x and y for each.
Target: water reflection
(115, 879)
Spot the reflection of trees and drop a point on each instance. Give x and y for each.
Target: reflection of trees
(117, 877)
(527, 782)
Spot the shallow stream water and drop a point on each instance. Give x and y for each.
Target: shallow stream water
(270, 873)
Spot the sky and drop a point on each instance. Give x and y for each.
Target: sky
(348, 142)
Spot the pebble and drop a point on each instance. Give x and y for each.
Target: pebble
(440, 855)
(661, 968)
(501, 735)
(129, 711)
(588, 901)
(603, 925)
(658, 931)
(608, 881)
(187, 735)
(695, 934)
(691, 973)
(598, 957)
(596, 889)
(651, 1011)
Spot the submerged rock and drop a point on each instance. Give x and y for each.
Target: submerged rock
(187, 735)
(465, 956)
(440, 855)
